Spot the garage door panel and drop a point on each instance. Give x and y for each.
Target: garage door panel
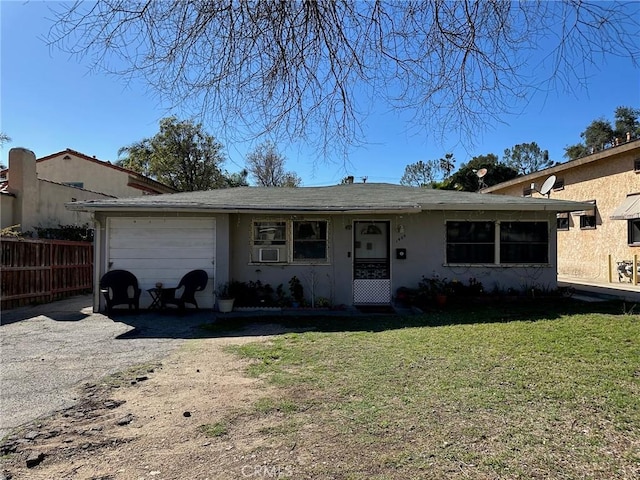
(160, 254)
(171, 238)
(153, 264)
(160, 222)
(163, 250)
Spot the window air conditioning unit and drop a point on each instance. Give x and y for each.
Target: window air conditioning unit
(269, 255)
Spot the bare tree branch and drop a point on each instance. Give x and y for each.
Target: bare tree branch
(314, 70)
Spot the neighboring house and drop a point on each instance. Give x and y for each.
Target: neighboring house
(354, 243)
(33, 192)
(610, 181)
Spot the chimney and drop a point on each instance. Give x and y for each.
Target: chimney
(23, 182)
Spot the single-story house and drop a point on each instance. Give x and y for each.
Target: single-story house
(353, 244)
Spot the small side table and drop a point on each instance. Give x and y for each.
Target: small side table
(156, 297)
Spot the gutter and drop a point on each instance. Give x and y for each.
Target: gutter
(555, 206)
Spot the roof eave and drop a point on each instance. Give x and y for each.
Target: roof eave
(594, 157)
(557, 206)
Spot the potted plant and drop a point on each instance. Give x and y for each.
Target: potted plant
(224, 297)
(437, 288)
(297, 291)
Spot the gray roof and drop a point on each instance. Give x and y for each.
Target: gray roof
(359, 197)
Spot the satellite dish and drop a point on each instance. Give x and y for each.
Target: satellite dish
(548, 185)
(481, 173)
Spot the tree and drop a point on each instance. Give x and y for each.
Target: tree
(573, 152)
(266, 165)
(447, 164)
(313, 69)
(420, 174)
(466, 178)
(626, 121)
(527, 158)
(181, 155)
(598, 134)
(238, 179)
(4, 138)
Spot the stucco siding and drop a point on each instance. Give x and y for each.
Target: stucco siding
(421, 234)
(6, 211)
(93, 176)
(51, 209)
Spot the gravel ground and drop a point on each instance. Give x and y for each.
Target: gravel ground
(46, 351)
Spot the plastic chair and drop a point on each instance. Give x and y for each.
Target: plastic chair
(120, 287)
(192, 282)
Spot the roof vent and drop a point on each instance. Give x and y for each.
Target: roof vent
(66, 157)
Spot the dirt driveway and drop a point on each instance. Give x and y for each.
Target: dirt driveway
(47, 350)
(65, 419)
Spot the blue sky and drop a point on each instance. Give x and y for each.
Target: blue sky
(50, 102)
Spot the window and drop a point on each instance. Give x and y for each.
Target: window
(524, 242)
(284, 241)
(562, 221)
(587, 217)
(470, 242)
(636, 165)
(634, 231)
(559, 185)
(270, 233)
(310, 240)
(269, 242)
(587, 222)
(527, 191)
(74, 184)
(519, 242)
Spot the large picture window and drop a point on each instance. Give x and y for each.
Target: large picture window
(470, 242)
(310, 240)
(524, 242)
(519, 242)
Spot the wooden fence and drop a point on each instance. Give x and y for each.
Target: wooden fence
(40, 271)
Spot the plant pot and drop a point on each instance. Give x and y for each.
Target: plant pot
(441, 300)
(225, 305)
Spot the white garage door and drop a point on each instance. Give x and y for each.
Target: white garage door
(163, 250)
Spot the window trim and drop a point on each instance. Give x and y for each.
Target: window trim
(630, 241)
(307, 261)
(287, 247)
(558, 185)
(491, 243)
(592, 212)
(497, 244)
(565, 215)
(545, 243)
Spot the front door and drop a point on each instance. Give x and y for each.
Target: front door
(371, 265)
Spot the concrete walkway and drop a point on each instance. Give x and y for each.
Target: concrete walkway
(613, 290)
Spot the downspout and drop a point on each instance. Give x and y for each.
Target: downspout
(97, 235)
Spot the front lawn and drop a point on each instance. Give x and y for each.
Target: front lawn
(483, 394)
